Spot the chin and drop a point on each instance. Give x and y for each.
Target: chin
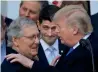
(34, 54)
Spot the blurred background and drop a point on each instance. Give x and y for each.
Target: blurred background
(10, 8)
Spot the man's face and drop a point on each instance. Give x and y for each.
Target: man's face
(64, 30)
(28, 44)
(48, 32)
(30, 9)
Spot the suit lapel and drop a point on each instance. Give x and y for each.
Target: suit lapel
(75, 55)
(42, 56)
(62, 48)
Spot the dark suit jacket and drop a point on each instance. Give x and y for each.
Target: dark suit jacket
(79, 60)
(6, 66)
(8, 21)
(94, 19)
(42, 56)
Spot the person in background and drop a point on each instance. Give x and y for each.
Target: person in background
(31, 9)
(3, 39)
(95, 23)
(50, 45)
(23, 37)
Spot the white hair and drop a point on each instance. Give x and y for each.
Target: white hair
(15, 28)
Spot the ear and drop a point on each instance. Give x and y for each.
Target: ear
(16, 44)
(15, 41)
(38, 24)
(75, 29)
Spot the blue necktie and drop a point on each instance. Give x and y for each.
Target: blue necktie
(51, 55)
(71, 49)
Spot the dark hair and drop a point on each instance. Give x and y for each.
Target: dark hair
(84, 3)
(48, 12)
(43, 3)
(2, 20)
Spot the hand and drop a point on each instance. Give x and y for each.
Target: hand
(54, 62)
(20, 59)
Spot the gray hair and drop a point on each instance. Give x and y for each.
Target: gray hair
(15, 28)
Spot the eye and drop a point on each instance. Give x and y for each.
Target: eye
(53, 28)
(25, 9)
(32, 12)
(45, 27)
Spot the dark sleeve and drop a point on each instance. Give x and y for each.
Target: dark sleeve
(8, 21)
(38, 67)
(6, 66)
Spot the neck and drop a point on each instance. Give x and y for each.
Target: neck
(15, 48)
(76, 39)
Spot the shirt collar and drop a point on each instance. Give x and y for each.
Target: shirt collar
(46, 46)
(85, 37)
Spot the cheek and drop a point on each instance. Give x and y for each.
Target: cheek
(43, 32)
(21, 12)
(34, 16)
(25, 42)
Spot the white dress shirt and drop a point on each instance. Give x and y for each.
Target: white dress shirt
(85, 37)
(76, 45)
(46, 48)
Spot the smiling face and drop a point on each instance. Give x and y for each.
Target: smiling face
(28, 43)
(48, 32)
(30, 9)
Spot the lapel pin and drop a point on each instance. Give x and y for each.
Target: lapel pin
(61, 51)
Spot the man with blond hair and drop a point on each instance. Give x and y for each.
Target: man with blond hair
(73, 24)
(73, 27)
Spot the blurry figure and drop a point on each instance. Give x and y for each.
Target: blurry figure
(31, 9)
(94, 19)
(8, 21)
(57, 3)
(3, 38)
(23, 37)
(85, 4)
(50, 45)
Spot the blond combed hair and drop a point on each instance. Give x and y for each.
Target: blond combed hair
(76, 14)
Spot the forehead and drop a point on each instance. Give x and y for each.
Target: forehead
(48, 23)
(31, 4)
(30, 30)
(59, 19)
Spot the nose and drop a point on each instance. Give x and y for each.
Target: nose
(27, 13)
(49, 32)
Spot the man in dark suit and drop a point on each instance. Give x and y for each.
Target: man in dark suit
(94, 19)
(49, 39)
(73, 25)
(3, 39)
(23, 39)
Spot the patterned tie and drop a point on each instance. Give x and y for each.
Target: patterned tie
(51, 55)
